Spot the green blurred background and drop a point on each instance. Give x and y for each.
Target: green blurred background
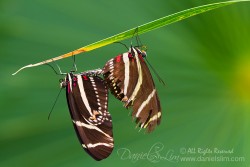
(205, 61)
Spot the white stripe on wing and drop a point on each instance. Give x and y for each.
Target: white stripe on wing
(90, 145)
(139, 81)
(126, 78)
(145, 103)
(79, 123)
(83, 94)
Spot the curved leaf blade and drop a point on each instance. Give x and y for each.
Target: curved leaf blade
(140, 30)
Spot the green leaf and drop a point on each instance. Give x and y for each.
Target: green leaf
(140, 30)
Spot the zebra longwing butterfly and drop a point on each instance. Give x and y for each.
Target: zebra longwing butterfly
(130, 81)
(87, 98)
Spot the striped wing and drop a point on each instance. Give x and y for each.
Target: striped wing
(130, 81)
(87, 99)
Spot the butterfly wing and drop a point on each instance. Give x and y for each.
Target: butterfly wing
(120, 75)
(87, 99)
(130, 81)
(146, 103)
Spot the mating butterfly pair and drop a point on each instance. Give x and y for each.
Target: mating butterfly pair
(129, 80)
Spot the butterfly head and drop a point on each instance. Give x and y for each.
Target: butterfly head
(143, 51)
(135, 50)
(64, 82)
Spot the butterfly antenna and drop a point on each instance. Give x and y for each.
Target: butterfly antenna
(53, 68)
(157, 75)
(59, 69)
(122, 44)
(54, 103)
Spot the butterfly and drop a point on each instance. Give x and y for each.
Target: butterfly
(87, 98)
(129, 80)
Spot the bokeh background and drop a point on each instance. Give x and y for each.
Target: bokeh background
(205, 61)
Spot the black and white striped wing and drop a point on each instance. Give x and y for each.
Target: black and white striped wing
(130, 81)
(87, 98)
(121, 76)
